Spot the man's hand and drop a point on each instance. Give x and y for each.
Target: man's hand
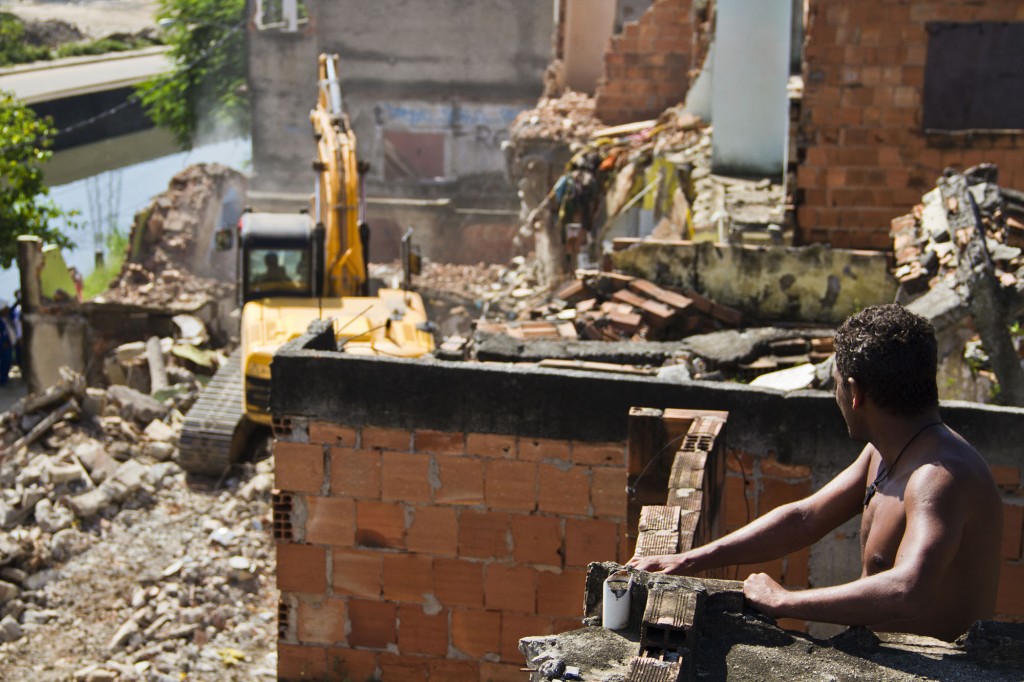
(764, 594)
(675, 564)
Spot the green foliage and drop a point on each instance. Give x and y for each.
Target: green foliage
(99, 279)
(206, 91)
(13, 50)
(101, 46)
(25, 206)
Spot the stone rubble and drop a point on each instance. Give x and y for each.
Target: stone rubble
(114, 565)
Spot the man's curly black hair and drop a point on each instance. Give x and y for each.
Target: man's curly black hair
(892, 354)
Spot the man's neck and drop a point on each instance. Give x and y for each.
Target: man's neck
(891, 435)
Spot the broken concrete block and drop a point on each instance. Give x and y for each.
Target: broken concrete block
(8, 591)
(63, 472)
(13, 575)
(53, 517)
(138, 406)
(90, 503)
(41, 579)
(123, 635)
(95, 402)
(10, 630)
(125, 481)
(158, 431)
(69, 542)
(96, 460)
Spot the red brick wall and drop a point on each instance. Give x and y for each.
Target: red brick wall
(864, 157)
(647, 65)
(756, 485)
(428, 555)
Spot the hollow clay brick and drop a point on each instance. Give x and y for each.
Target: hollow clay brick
(328, 433)
(386, 439)
(461, 478)
(588, 540)
(357, 573)
(298, 467)
(510, 589)
(599, 454)
(301, 568)
(372, 623)
(608, 492)
(420, 633)
(404, 667)
(405, 477)
(379, 524)
(351, 664)
(491, 445)
(321, 621)
(408, 577)
(510, 484)
(433, 530)
(458, 582)
(356, 473)
(443, 442)
(476, 632)
(537, 449)
(330, 521)
(454, 670)
(564, 492)
(561, 594)
(483, 534)
(537, 540)
(297, 662)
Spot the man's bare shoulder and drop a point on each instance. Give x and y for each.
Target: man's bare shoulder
(952, 472)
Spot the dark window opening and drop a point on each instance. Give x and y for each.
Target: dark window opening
(974, 76)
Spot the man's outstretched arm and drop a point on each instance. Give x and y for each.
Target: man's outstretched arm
(781, 531)
(934, 528)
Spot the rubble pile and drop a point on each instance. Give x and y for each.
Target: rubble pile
(606, 306)
(926, 248)
(112, 565)
(568, 117)
(170, 238)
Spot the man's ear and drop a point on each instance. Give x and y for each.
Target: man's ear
(856, 392)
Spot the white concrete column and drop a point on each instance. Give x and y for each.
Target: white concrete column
(748, 91)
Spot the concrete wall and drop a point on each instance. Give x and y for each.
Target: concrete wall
(808, 284)
(368, 448)
(452, 70)
(865, 157)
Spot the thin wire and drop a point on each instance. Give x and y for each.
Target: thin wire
(631, 489)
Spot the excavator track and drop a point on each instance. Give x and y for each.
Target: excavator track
(215, 429)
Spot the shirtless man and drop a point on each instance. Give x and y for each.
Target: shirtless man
(932, 515)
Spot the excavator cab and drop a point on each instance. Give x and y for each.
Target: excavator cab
(279, 255)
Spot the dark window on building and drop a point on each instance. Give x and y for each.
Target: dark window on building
(974, 77)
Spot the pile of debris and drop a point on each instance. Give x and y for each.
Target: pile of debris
(568, 117)
(926, 247)
(107, 551)
(607, 306)
(169, 264)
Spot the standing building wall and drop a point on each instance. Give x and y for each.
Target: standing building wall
(866, 153)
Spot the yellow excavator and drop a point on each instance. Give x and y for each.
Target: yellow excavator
(293, 269)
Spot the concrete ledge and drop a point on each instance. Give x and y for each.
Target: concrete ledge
(803, 427)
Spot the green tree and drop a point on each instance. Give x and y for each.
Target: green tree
(205, 93)
(25, 206)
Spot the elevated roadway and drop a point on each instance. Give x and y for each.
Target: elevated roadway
(88, 97)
